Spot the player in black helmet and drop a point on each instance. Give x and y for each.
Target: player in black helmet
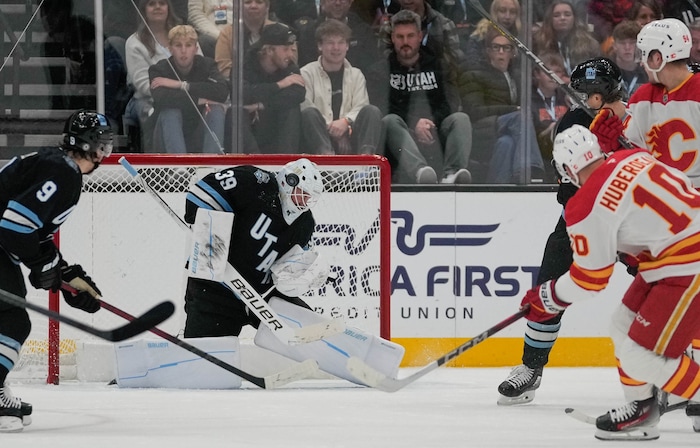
(37, 193)
(599, 81)
(598, 75)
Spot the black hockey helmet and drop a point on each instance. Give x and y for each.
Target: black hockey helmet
(598, 75)
(88, 131)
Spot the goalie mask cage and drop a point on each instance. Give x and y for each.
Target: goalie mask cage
(136, 252)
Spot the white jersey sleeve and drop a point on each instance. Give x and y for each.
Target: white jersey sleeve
(636, 205)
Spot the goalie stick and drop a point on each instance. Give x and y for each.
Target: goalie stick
(375, 379)
(575, 96)
(245, 292)
(296, 372)
(138, 325)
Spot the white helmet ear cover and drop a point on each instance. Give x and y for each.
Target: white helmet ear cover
(575, 148)
(300, 186)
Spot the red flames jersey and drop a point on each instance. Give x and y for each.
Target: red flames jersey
(666, 123)
(632, 204)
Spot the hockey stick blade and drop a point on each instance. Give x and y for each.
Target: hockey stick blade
(580, 416)
(360, 370)
(674, 407)
(149, 319)
(297, 372)
(243, 290)
(145, 322)
(293, 373)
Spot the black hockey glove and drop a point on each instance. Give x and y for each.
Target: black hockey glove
(85, 292)
(45, 268)
(630, 262)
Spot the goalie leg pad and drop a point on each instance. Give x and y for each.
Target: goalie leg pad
(159, 363)
(332, 353)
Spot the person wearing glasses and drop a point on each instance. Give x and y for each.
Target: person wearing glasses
(492, 93)
(506, 13)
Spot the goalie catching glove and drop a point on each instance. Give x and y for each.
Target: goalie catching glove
(298, 271)
(85, 293)
(543, 303)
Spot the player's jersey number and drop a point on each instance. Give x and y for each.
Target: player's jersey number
(677, 219)
(226, 179)
(46, 191)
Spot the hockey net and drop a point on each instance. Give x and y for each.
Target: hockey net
(136, 252)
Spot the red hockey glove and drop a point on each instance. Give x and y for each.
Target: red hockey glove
(543, 302)
(608, 128)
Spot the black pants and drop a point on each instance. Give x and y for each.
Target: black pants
(556, 261)
(213, 310)
(14, 322)
(365, 138)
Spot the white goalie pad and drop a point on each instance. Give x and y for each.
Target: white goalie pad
(299, 271)
(332, 352)
(211, 239)
(154, 363)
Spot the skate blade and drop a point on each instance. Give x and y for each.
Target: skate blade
(639, 433)
(524, 398)
(11, 424)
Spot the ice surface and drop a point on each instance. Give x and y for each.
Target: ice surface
(449, 407)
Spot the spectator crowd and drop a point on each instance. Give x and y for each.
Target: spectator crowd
(430, 84)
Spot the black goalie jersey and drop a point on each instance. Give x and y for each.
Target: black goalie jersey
(260, 235)
(37, 193)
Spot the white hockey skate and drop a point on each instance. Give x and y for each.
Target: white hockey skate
(520, 386)
(636, 420)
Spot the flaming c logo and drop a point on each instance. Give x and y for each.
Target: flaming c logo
(659, 141)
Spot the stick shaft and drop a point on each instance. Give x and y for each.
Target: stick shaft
(375, 379)
(152, 317)
(260, 382)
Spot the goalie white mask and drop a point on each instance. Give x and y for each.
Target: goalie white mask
(575, 148)
(300, 184)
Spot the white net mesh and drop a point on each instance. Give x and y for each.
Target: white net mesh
(136, 253)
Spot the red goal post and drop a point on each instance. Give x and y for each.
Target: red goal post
(136, 252)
